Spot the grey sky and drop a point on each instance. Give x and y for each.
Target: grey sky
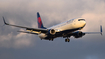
(14, 45)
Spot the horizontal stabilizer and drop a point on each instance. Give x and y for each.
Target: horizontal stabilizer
(27, 32)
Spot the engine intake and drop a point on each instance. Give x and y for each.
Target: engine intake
(52, 31)
(78, 34)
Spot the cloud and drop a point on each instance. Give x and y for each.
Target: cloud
(5, 41)
(20, 40)
(23, 12)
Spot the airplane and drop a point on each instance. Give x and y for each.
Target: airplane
(65, 29)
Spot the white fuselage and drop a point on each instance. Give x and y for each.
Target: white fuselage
(67, 25)
(70, 24)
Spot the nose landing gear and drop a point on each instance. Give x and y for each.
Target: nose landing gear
(51, 39)
(67, 40)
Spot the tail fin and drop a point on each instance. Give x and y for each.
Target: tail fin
(40, 24)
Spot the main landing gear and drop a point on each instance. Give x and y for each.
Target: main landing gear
(51, 39)
(67, 40)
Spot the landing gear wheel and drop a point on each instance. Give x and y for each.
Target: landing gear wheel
(51, 39)
(67, 40)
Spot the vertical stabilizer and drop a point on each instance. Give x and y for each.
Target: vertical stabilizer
(40, 24)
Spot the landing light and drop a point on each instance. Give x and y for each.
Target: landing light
(58, 30)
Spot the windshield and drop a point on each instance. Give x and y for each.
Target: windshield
(81, 19)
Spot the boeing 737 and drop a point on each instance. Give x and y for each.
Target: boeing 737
(65, 29)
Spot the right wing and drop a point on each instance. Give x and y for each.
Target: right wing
(27, 28)
(78, 34)
(95, 32)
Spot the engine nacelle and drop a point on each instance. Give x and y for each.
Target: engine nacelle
(51, 31)
(78, 34)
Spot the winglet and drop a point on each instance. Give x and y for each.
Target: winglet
(101, 29)
(5, 21)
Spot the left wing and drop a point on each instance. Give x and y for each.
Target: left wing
(27, 28)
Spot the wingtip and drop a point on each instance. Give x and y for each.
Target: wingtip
(101, 29)
(4, 20)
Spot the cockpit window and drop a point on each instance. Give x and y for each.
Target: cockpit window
(81, 19)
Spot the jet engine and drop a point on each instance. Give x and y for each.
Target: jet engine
(51, 31)
(78, 34)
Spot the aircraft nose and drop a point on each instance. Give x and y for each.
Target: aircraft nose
(84, 23)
